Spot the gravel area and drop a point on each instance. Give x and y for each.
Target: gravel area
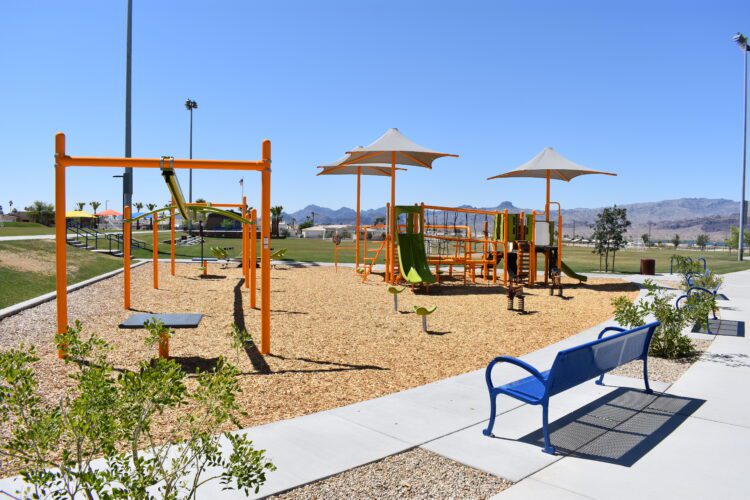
(415, 473)
(335, 341)
(663, 370)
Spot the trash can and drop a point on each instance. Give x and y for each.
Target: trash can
(648, 267)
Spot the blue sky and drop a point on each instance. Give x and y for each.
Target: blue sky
(651, 90)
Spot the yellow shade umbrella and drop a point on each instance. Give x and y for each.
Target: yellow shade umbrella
(78, 214)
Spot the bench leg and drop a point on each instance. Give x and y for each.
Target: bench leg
(548, 448)
(491, 423)
(645, 376)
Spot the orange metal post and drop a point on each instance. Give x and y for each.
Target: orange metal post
(253, 257)
(245, 269)
(126, 257)
(155, 242)
(61, 234)
(265, 255)
(357, 228)
(172, 224)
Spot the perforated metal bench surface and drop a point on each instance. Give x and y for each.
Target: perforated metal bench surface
(171, 320)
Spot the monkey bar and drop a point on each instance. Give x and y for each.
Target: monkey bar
(63, 161)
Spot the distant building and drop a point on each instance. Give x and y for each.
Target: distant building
(327, 231)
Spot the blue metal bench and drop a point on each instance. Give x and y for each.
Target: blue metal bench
(692, 291)
(572, 367)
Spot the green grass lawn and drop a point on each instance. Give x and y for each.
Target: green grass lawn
(309, 250)
(628, 261)
(27, 268)
(298, 249)
(24, 229)
(33, 273)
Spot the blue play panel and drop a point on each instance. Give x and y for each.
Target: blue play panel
(178, 320)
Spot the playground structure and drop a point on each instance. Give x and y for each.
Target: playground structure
(493, 245)
(63, 161)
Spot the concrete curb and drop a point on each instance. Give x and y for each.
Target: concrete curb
(21, 306)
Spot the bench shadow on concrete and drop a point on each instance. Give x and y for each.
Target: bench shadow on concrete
(725, 327)
(619, 428)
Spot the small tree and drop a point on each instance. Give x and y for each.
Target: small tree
(115, 416)
(80, 205)
(379, 221)
(702, 241)
(609, 234)
(734, 238)
(138, 208)
(10, 207)
(675, 240)
(95, 206)
(40, 212)
(646, 240)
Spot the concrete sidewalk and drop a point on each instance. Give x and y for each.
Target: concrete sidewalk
(704, 457)
(686, 440)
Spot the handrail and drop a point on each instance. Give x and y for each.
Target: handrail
(611, 329)
(513, 361)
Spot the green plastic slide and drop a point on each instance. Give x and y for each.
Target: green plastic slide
(412, 259)
(567, 270)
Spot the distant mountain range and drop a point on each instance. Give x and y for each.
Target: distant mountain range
(686, 216)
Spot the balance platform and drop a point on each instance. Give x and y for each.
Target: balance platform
(177, 320)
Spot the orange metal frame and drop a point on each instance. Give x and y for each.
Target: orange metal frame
(63, 161)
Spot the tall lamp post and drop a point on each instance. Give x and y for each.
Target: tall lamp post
(127, 180)
(190, 105)
(741, 41)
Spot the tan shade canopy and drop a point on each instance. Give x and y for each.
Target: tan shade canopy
(340, 167)
(550, 161)
(406, 152)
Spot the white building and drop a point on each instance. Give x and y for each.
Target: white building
(327, 231)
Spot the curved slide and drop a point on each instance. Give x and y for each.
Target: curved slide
(567, 270)
(412, 259)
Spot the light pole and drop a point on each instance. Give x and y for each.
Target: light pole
(741, 41)
(127, 180)
(190, 105)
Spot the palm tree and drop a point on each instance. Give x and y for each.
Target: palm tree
(95, 206)
(276, 219)
(138, 207)
(10, 206)
(80, 205)
(151, 207)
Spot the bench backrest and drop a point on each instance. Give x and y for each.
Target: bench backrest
(587, 361)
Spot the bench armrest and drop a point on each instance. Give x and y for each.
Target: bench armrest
(700, 289)
(618, 329)
(512, 361)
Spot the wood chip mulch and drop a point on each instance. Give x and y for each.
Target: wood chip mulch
(335, 341)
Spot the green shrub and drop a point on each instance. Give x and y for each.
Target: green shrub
(668, 340)
(157, 332)
(113, 415)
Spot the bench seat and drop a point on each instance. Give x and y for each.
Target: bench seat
(529, 389)
(572, 367)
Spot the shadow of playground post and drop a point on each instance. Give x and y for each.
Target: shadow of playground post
(619, 428)
(256, 358)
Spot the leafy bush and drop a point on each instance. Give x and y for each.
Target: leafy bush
(114, 416)
(668, 340)
(158, 334)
